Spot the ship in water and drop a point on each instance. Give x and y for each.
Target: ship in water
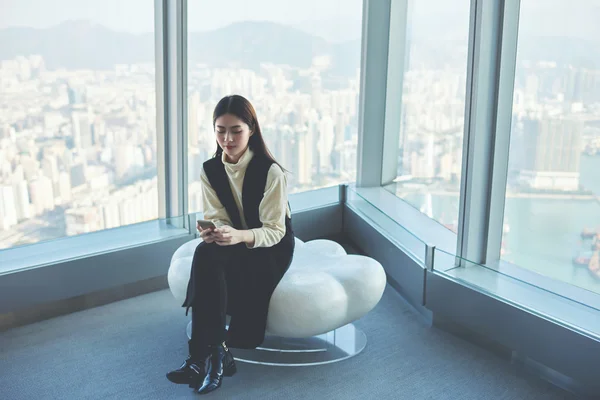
(596, 242)
(583, 259)
(594, 264)
(588, 233)
(589, 259)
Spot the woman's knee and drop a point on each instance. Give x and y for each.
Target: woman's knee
(204, 248)
(209, 253)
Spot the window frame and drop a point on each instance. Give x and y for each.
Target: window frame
(493, 41)
(171, 100)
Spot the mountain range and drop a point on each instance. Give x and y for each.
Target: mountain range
(81, 44)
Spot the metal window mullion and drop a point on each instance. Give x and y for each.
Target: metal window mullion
(162, 114)
(398, 49)
(373, 81)
(182, 35)
(171, 78)
(483, 73)
(506, 82)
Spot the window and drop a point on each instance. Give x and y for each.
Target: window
(552, 208)
(77, 119)
(298, 63)
(433, 107)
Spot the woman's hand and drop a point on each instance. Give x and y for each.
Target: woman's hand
(228, 236)
(207, 235)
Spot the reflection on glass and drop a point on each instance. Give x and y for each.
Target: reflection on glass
(433, 101)
(553, 189)
(77, 120)
(298, 63)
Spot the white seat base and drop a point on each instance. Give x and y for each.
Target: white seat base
(337, 345)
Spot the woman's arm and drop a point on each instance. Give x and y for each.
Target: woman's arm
(272, 211)
(213, 208)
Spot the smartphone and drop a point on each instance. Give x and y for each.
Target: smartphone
(204, 224)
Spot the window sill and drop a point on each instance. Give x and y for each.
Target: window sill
(89, 244)
(550, 306)
(554, 300)
(406, 217)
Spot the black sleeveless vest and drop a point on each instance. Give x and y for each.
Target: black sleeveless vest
(253, 189)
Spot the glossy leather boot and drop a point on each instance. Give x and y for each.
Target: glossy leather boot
(220, 363)
(189, 372)
(193, 369)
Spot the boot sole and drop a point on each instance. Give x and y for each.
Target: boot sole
(180, 381)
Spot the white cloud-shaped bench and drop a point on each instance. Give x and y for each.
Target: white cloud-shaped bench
(324, 288)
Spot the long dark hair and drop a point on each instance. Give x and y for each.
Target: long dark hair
(240, 107)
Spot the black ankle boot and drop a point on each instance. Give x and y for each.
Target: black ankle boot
(190, 371)
(220, 363)
(193, 368)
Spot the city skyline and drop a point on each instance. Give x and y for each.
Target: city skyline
(78, 145)
(85, 134)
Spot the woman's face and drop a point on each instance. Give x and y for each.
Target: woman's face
(232, 135)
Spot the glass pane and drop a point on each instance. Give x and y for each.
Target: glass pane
(77, 118)
(433, 106)
(552, 210)
(298, 63)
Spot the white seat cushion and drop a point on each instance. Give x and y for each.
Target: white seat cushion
(323, 289)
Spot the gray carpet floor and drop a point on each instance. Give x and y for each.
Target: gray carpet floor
(123, 350)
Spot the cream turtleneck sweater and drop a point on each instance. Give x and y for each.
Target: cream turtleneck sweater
(272, 209)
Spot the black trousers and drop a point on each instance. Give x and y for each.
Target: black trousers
(236, 281)
(211, 264)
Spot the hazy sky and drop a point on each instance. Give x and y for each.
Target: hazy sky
(138, 15)
(575, 18)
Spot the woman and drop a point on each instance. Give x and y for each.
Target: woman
(240, 262)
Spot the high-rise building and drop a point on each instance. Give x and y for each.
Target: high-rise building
(348, 160)
(42, 194)
(193, 125)
(196, 158)
(50, 167)
(110, 215)
(22, 205)
(64, 188)
(553, 148)
(316, 92)
(124, 160)
(195, 196)
(304, 144)
(341, 122)
(78, 174)
(128, 210)
(326, 137)
(99, 130)
(76, 94)
(30, 166)
(82, 130)
(8, 212)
